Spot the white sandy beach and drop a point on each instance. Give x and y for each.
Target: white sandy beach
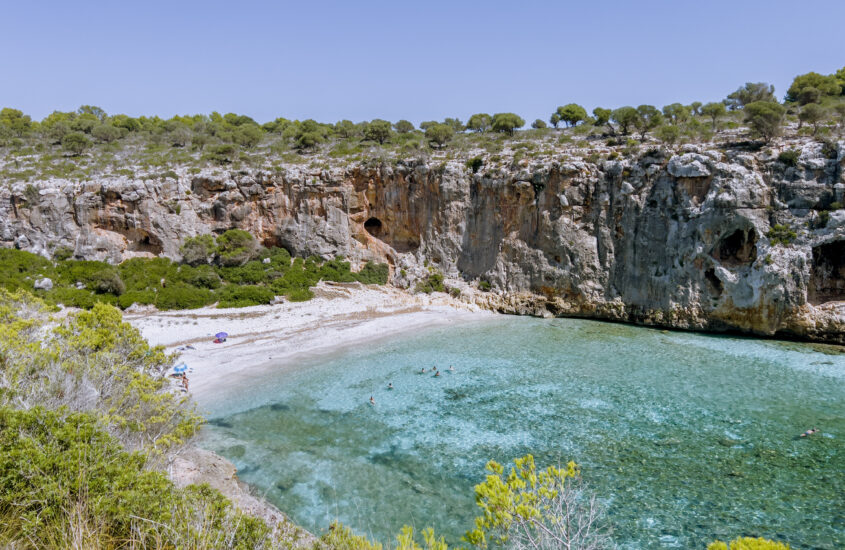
(279, 336)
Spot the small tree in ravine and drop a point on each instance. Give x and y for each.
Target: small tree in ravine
(439, 134)
(75, 143)
(765, 118)
(812, 114)
(479, 122)
(572, 114)
(538, 124)
(625, 117)
(713, 111)
(378, 130)
(507, 122)
(404, 127)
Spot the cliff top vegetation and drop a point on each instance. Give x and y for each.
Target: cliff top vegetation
(89, 142)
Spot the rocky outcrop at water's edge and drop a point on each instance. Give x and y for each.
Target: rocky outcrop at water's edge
(679, 239)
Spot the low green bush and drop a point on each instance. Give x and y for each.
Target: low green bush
(182, 296)
(432, 283)
(243, 296)
(198, 250)
(373, 274)
(142, 297)
(789, 157)
(781, 234)
(19, 269)
(299, 295)
(236, 247)
(203, 276)
(251, 273)
(147, 273)
(81, 298)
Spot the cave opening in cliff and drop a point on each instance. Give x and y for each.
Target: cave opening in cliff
(714, 284)
(827, 278)
(738, 248)
(374, 227)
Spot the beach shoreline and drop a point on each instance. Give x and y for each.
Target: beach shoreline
(273, 338)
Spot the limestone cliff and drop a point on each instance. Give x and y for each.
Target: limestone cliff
(676, 239)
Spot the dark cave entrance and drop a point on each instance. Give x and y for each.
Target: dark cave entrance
(738, 248)
(374, 227)
(827, 278)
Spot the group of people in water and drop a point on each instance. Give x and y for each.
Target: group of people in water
(423, 370)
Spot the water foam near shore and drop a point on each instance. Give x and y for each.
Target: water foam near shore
(685, 437)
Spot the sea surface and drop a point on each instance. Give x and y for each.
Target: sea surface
(683, 437)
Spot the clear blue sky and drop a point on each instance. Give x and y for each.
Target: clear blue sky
(400, 59)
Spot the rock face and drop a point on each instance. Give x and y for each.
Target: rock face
(678, 240)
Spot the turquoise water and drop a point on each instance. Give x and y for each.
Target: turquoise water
(684, 437)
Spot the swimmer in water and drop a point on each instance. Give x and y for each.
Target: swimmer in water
(372, 401)
(451, 368)
(422, 370)
(390, 385)
(811, 431)
(436, 373)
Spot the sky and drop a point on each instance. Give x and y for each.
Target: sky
(361, 60)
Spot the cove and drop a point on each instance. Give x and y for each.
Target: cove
(684, 437)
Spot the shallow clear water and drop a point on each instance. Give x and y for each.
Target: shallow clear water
(685, 437)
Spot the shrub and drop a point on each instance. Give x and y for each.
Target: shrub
(221, 154)
(748, 543)
(106, 281)
(336, 270)
(143, 297)
(62, 253)
(537, 509)
(243, 296)
(71, 297)
(790, 157)
(373, 274)
(484, 286)
(781, 234)
(765, 118)
(378, 130)
(146, 273)
(19, 269)
(432, 283)
(299, 295)
(182, 296)
(198, 250)
(236, 247)
(203, 276)
(475, 164)
(75, 143)
(250, 273)
(62, 469)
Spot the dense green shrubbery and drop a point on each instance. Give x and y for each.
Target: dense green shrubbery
(65, 480)
(182, 296)
(243, 296)
(781, 234)
(169, 285)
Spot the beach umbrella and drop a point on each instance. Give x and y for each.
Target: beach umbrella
(180, 368)
(221, 335)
